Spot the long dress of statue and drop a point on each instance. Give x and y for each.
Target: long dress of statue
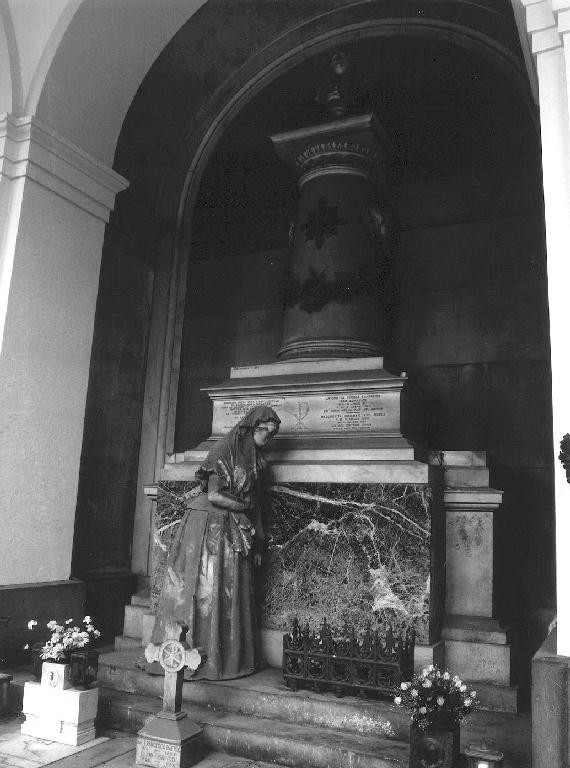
(208, 583)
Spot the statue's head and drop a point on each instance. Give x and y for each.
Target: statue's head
(264, 432)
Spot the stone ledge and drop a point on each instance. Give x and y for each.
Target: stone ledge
(413, 472)
(28, 148)
(472, 499)
(475, 629)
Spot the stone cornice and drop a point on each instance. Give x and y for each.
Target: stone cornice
(472, 499)
(30, 149)
(547, 21)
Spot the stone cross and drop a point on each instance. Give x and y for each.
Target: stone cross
(173, 656)
(170, 739)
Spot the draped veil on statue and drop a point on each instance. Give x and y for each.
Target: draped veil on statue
(208, 583)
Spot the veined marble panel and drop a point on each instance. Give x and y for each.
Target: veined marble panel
(348, 552)
(351, 553)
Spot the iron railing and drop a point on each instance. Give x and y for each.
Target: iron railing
(346, 662)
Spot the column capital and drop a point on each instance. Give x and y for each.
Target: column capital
(31, 149)
(356, 145)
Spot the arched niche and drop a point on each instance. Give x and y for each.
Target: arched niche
(208, 76)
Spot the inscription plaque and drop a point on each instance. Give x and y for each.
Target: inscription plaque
(323, 413)
(231, 411)
(156, 753)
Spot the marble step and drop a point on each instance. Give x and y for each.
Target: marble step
(133, 622)
(141, 599)
(263, 695)
(123, 642)
(257, 738)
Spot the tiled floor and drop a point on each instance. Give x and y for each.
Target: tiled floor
(114, 749)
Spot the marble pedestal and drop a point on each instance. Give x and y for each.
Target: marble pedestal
(351, 421)
(477, 642)
(169, 742)
(65, 715)
(342, 421)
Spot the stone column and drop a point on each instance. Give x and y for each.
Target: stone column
(55, 200)
(548, 27)
(548, 23)
(333, 292)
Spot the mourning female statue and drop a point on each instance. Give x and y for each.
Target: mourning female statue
(208, 583)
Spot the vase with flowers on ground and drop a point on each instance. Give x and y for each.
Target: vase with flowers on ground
(67, 657)
(437, 702)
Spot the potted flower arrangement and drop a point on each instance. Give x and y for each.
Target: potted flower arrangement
(68, 644)
(437, 702)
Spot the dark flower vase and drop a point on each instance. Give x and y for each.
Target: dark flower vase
(37, 660)
(84, 666)
(436, 746)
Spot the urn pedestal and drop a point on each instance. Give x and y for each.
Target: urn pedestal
(56, 711)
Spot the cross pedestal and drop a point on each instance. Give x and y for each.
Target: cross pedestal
(170, 739)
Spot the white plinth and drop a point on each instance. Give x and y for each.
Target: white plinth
(63, 715)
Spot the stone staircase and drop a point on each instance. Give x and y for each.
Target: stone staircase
(261, 719)
(257, 717)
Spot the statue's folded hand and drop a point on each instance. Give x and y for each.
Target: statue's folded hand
(242, 532)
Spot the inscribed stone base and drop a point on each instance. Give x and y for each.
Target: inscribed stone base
(165, 742)
(475, 661)
(66, 716)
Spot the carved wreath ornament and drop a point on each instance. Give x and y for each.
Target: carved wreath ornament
(322, 222)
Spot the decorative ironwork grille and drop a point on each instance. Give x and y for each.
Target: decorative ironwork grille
(372, 664)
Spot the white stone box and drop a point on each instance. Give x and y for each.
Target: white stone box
(66, 716)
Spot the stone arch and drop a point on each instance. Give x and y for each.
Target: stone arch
(163, 147)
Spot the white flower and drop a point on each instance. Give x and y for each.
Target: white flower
(446, 675)
(32, 623)
(398, 700)
(467, 702)
(473, 694)
(405, 686)
(422, 710)
(87, 620)
(427, 683)
(69, 621)
(414, 693)
(440, 701)
(463, 688)
(27, 647)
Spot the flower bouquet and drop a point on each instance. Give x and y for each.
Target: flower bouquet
(437, 702)
(68, 644)
(65, 639)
